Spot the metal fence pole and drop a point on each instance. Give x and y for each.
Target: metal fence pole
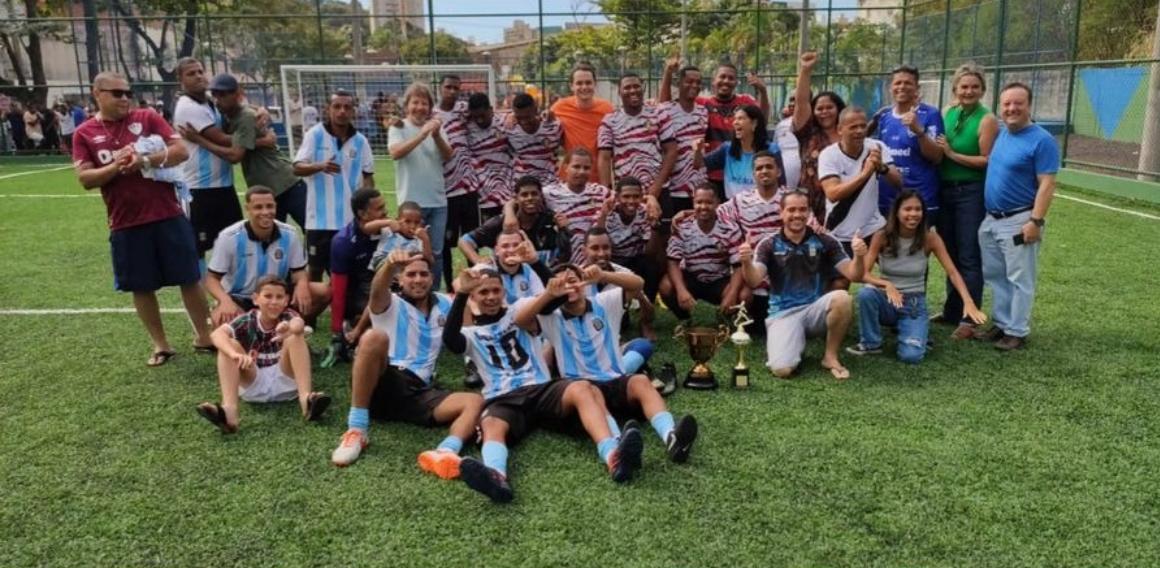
(209, 37)
(321, 45)
(757, 40)
(543, 64)
(999, 53)
(902, 40)
(648, 61)
(942, 74)
(829, 50)
(1071, 78)
(431, 30)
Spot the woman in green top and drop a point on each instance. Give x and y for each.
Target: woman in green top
(971, 130)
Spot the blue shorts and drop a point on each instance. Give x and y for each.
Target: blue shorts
(150, 256)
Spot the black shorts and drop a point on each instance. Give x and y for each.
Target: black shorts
(486, 213)
(530, 407)
(400, 396)
(150, 256)
(358, 293)
(462, 218)
(318, 252)
(670, 206)
(212, 209)
(616, 399)
(706, 291)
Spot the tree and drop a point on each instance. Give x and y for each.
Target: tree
(448, 49)
(20, 37)
(181, 15)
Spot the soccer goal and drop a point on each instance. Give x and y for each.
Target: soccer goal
(377, 88)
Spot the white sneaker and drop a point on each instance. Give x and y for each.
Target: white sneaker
(354, 441)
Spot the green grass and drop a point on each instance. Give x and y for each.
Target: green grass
(1042, 457)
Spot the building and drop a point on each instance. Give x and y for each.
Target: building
(879, 16)
(410, 11)
(517, 40)
(520, 31)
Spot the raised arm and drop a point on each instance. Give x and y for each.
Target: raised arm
(526, 318)
(803, 111)
(628, 281)
(666, 90)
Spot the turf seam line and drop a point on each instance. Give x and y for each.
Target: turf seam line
(18, 174)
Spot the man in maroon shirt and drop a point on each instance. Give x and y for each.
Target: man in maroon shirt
(152, 240)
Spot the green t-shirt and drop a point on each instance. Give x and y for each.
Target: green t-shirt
(963, 138)
(261, 166)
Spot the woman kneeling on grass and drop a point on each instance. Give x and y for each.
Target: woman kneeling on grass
(898, 296)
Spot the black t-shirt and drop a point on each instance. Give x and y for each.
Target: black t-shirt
(546, 237)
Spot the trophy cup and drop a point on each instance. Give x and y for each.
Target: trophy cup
(703, 343)
(740, 340)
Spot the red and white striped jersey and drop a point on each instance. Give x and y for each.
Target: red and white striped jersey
(581, 209)
(708, 257)
(535, 153)
(685, 128)
(628, 238)
(635, 143)
(492, 160)
(458, 175)
(754, 217)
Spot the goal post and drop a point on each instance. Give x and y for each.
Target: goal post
(312, 85)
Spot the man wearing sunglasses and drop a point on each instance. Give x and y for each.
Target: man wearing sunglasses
(210, 178)
(151, 240)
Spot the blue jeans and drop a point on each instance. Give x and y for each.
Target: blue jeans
(292, 202)
(435, 218)
(874, 311)
(1010, 271)
(958, 223)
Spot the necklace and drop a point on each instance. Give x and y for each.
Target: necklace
(963, 119)
(120, 131)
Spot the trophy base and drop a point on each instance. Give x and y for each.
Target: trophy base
(700, 383)
(741, 378)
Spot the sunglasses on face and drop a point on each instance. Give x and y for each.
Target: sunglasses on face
(119, 93)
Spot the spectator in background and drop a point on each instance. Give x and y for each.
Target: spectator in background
(417, 145)
(789, 145)
(816, 128)
(68, 125)
(580, 116)
(33, 127)
(1017, 193)
(971, 133)
(15, 118)
(909, 130)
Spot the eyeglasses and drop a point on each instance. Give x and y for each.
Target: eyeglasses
(119, 93)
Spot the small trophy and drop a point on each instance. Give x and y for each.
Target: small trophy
(740, 340)
(703, 343)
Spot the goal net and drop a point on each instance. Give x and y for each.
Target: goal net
(378, 90)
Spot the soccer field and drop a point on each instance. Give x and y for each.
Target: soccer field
(1047, 456)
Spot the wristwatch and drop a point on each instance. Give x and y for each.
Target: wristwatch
(1038, 222)
(145, 160)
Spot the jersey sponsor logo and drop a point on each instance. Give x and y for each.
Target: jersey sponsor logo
(899, 151)
(99, 139)
(135, 128)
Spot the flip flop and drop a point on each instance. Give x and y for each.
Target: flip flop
(210, 349)
(839, 373)
(159, 358)
(316, 404)
(216, 415)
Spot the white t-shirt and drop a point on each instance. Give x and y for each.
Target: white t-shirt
(67, 124)
(791, 157)
(309, 117)
(419, 174)
(860, 210)
(203, 169)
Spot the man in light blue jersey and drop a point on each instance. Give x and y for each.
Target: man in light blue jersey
(519, 265)
(251, 249)
(394, 367)
(584, 333)
(335, 159)
(210, 179)
(520, 393)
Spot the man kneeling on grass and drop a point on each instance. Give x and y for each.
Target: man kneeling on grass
(395, 364)
(263, 357)
(519, 391)
(584, 333)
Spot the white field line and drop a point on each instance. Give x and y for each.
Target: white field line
(40, 171)
(78, 311)
(1109, 207)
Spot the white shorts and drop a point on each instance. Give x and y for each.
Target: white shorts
(271, 385)
(787, 332)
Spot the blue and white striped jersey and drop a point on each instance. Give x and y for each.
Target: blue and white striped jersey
(525, 283)
(389, 241)
(328, 195)
(242, 259)
(415, 338)
(507, 356)
(587, 346)
(203, 169)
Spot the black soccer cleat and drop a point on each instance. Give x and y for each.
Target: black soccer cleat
(472, 380)
(485, 480)
(626, 457)
(680, 440)
(632, 424)
(666, 381)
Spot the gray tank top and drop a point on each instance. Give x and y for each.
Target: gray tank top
(906, 271)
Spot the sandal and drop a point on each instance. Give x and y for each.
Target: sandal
(210, 349)
(316, 404)
(216, 415)
(159, 358)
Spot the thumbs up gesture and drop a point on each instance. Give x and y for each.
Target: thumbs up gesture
(859, 245)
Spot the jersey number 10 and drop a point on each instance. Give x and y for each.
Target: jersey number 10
(512, 350)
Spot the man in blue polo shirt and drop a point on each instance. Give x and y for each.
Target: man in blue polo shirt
(909, 129)
(1018, 191)
(350, 274)
(248, 250)
(799, 262)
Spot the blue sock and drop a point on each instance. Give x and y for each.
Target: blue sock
(662, 422)
(605, 447)
(359, 419)
(632, 362)
(451, 443)
(495, 456)
(635, 354)
(613, 426)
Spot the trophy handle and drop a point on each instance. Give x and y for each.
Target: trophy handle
(679, 331)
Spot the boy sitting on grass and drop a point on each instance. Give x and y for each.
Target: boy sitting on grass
(406, 232)
(263, 357)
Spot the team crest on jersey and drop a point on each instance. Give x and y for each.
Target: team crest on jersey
(598, 324)
(524, 286)
(277, 254)
(135, 128)
(442, 319)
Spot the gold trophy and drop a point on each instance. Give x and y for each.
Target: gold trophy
(703, 343)
(741, 340)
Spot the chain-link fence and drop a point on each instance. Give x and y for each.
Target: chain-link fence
(1088, 61)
